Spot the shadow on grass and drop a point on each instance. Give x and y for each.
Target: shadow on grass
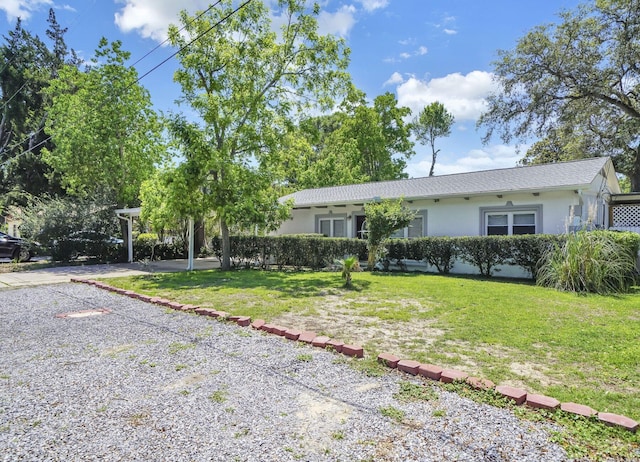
(294, 284)
(468, 277)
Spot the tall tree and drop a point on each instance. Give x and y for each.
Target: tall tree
(27, 68)
(106, 135)
(246, 81)
(574, 84)
(431, 123)
(358, 144)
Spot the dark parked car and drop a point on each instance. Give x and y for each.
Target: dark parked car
(14, 248)
(84, 243)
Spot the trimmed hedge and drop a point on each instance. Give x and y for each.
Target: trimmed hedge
(484, 252)
(297, 251)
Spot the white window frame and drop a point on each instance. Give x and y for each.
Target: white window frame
(332, 218)
(510, 211)
(405, 231)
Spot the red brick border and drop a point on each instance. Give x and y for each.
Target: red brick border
(430, 371)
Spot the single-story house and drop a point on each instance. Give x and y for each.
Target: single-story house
(549, 198)
(11, 223)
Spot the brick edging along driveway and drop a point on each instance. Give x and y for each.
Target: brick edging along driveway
(431, 371)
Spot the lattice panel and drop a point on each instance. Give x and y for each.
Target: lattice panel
(626, 215)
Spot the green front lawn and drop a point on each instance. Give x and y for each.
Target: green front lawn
(580, 348)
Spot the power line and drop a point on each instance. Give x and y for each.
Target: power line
(13, 96)
(180, 30)
(144, 75)
(195, 39)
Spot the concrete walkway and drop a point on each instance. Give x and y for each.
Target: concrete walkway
(63, 274)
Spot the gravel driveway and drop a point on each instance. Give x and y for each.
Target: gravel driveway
(145, 384)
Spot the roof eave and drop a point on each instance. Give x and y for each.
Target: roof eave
(573, 187)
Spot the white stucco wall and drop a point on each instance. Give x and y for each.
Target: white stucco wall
(458, 216)
(463, 217)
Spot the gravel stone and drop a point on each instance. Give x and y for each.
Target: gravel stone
(146, 383)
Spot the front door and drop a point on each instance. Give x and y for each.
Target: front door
(360, 227)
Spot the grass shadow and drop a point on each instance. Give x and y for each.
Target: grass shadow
(294, 284)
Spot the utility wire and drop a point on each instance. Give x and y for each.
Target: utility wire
(13, 96)
(144, 75)
(181, 29)
(194, 40)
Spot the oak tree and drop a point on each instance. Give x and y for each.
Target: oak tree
(575, 86)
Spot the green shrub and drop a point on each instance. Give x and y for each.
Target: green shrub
(147, 246)
(600, 262)
(440, 252)
(297, 251)
(527, 251)
(485, 252)
(64, 226)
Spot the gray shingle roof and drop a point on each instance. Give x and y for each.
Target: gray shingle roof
(564, 175)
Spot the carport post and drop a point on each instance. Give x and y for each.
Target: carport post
(190, 256)
(129, 214)
(130, 238)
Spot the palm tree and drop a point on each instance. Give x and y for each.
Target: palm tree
(349, 264)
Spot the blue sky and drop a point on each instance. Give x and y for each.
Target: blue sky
(420, 50)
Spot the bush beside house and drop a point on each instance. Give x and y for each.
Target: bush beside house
(485, 253)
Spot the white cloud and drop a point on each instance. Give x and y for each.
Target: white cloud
(395, 79)
(488, 158)
(463, 95)
(372, 5)
(405, 55)
(151, 18)
(450, 31)
(23, 9)
(409, 41)
(339, 23)
(421, 51)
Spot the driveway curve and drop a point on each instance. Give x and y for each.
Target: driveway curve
(86, 374)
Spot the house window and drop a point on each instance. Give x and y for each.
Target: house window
(331, 226)
(508, 223)
(415, 229)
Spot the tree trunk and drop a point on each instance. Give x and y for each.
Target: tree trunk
(124, 228)
(225, 264)
(634, 177)
(199, 237)
(371, 260)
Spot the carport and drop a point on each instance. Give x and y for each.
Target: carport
(129, 214)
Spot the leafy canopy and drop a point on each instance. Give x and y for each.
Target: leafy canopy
(431, 123)
(383, 218)
(358, 144)
(575, 86)
(246, 82)
(107, 137)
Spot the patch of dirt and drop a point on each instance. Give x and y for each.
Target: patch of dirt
(115, 350)
(333, 318)
(185, 382)
(537, 372)
(321, 417)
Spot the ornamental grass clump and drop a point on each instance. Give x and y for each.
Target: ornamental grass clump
(594, 262)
